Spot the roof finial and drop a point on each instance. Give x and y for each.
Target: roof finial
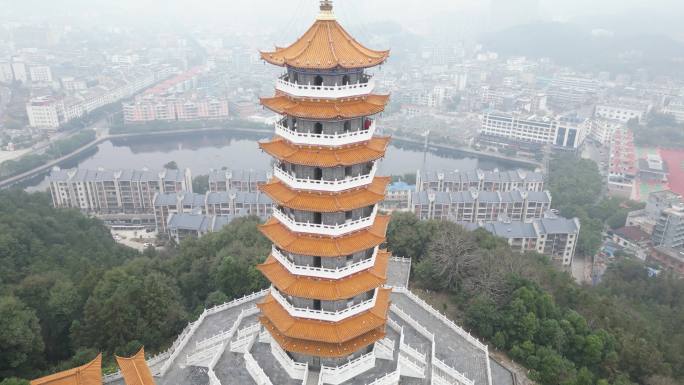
(326, 10)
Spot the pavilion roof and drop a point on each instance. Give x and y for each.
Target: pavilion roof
(325, 331)
(321, 156)
(324, 246)
(325, 45)
(327, 201)
(327, 108)
(326, 289)
(88, 374)
(323, 349)
(135, 370)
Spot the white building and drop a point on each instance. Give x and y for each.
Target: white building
(40, 73)
(45, 112)
(602, 129)
(19, 70)
(6, 74)
(676, 109)
(560, 131)
(622, 111)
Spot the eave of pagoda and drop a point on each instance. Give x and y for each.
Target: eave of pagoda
(324, 331)
(324, 246)
(326, 201)
(325, 45)
(321, 156)
(323, 349)
(326, 289)
(326, 109)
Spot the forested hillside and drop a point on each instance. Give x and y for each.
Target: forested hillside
(67, 290)
(622, 332)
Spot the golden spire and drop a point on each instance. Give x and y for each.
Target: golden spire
(326, 10)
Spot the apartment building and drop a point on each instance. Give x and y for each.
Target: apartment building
(550, 235)
(475, 206)
(561, 132)
(45, 112)
(480, 180)
(669, 228)
(623, 110)
(239, 180)
(114, 192)
(182, 226)
(228, 203)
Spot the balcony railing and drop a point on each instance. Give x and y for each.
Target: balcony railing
(324, 315)
(321, 272)
(325, 185)
(324, 139)
(312, 91)
(323, 229)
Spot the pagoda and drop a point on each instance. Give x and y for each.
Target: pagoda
(327, 304)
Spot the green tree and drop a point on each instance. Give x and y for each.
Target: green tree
(200, 184)
(19, 337)
(172, 165)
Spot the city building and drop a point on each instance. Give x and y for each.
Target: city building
(634, 240)
(676, 109)
(114, 191)
(6, 73)
(669, 258)
(226, 203)
(602, 130)
(622, 164)
(480, 206)
(184, 225)
(622, 110)
(669, 228)
(398, 196)
(551, 235)
(560, 132)
(480, 180)
(45, 112)
(40, 73)
(239, 180)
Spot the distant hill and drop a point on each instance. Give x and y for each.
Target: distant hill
(576, 46)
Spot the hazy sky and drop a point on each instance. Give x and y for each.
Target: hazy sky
(247, 15)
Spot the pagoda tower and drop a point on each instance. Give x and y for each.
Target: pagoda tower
(327, 304)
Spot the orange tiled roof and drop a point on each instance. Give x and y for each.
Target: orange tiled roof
(326, 202)
(307, 244)
(324, 331)
(326, 289)
(324, 156)
(135, 370)
(323, 46)
(327, 108)
(323, 349)
(88, 374)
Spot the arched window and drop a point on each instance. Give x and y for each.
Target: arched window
(318, 80)
(318, 128)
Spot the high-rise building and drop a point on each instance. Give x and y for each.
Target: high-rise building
(326, 198)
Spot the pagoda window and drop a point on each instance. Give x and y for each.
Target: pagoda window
(317, 261)
(318, 173)
(347, 125)
(294, 124)
(317, 218)
(318, 128)
(345, 80)
(348, 171)
(317, 304)
(318, 80)
(295, 77)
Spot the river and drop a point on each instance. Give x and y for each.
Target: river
(239, 150)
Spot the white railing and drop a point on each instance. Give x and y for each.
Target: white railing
(450, 372)
(236, 302)
(325, 185)
(213, 379)
(107, 378)
(384, 351)
(203, 357)
(311, 138)
(413, 368)
(443, 318)
(391, 378)
(322, 229)
(249, 330)
(414, 324)
(394, 325)
(312, 91)
(243, 344)
(255, 371)
(295, 370)
(324, 315)
(340, 374)
(322, 272)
